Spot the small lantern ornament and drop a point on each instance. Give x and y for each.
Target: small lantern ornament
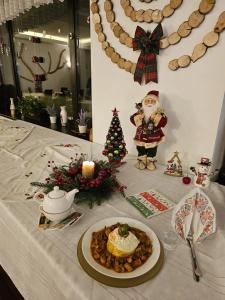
(202, 173)
(174, 167)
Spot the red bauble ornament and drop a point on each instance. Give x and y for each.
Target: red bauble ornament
(186, 180)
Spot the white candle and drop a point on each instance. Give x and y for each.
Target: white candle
(88, 168)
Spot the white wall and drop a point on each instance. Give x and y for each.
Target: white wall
(54, 81)
(192, 97)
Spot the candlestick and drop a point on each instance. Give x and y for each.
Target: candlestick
(88, 168)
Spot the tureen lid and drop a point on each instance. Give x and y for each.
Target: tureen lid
(56, 193)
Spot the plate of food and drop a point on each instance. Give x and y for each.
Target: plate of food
(121, 247)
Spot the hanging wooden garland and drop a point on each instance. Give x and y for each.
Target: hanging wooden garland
(115, 57)
(150, 15)
(209, 40)
(184, 30)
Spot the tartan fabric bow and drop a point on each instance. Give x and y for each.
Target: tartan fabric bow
(148, 43)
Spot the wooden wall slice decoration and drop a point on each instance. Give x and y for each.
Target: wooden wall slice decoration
(149, 15)
(195, 19)
(209, 40)
(198, 52)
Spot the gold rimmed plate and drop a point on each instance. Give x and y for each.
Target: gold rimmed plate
(145, 272)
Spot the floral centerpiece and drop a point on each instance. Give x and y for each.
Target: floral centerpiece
(92, 190)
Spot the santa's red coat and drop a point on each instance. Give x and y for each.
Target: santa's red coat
(142, 137)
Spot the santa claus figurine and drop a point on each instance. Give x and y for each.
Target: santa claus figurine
(149, 120)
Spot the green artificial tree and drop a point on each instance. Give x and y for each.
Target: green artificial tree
(115, 147)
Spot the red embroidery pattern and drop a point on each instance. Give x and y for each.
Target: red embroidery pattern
(153, 201)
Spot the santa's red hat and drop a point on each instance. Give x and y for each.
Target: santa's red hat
(153, 95)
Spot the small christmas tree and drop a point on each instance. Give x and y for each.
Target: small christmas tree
(115, 147)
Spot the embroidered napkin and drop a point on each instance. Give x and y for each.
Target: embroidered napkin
(195, 211)
(150, 203)
(11, 136)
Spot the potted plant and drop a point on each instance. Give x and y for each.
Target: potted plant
(51, 109)
(82, 121)
(29, 107)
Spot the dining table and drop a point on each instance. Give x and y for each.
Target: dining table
(43, 264)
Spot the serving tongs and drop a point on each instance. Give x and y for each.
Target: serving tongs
(195, 266)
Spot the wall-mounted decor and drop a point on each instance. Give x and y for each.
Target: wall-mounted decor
(184, 30)
(150, 15)
(148, 44)
(208, 41)
(38, 59)
(195, 20)
(39, 78)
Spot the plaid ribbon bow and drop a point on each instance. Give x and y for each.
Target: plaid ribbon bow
(149, 45)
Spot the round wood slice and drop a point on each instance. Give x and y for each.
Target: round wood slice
(206, 6)
(133, 16)
(96, 18)
(121, 63)
(109, 51)
(105, 45)
(220, 25)
(128, 65)
(94, 0)
(101, 37)
(108, 5)
(113, 25)
(117, 30)
(148, 15)
(129, 42)
(173, 65)
(175, 3)
(133, 68)
(199, 51)
(184, 29)
(123, 37)
(174, 38)
(98, 27)
(167, 11)
(115, 57)
(211, 39)
(195, 19)
(124, 3)
(94, 8)
(184, 61)
(110, 16)
(157, 16)
(139, 15)
(164, 43)
(128, 10)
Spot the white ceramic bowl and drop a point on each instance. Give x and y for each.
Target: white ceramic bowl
(55, 216)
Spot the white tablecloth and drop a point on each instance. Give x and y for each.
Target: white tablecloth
(44, 264)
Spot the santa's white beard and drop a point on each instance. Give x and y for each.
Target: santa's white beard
(149, 110)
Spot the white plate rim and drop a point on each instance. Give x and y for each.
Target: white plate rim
(147, 266)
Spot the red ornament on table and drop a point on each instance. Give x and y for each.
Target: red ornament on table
(186, 180)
